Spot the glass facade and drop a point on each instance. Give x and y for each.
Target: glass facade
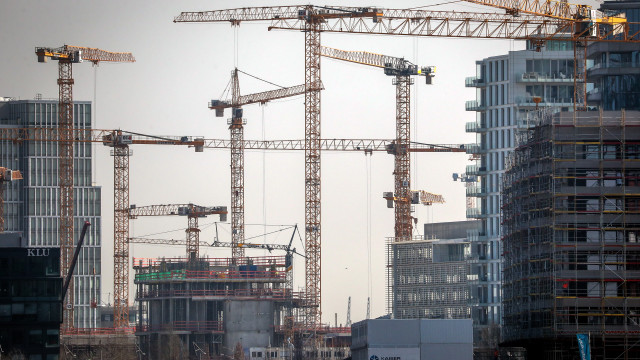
(621, 92)
(32, 203)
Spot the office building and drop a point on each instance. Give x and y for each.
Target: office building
(507, 88)
(32, 208)
(30, 299)
(571, 220)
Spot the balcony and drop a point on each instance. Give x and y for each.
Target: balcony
(534, 77)
(474, 127)
(475, 170)
(474, 81)
(474, 105)
(475, 149)
(527, 101)
(471, 127)
(473, 213)
(476, 191)
(476, 236)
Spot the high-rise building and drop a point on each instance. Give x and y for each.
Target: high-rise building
(616, 66)
(507, 87)
(32, 207)
(427, 278)
(571, 221)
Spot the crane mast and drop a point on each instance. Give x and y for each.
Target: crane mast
(66, 57)
(236, 129)
(402, 70)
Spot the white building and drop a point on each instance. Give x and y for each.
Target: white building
(507, 87)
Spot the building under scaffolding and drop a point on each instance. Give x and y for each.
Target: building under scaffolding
(427, 279)
(211, 305)
(571, 217)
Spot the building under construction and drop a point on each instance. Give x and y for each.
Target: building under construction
(211, 304)
(427, 278)
(571, 218)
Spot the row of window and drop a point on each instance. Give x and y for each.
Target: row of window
(553, 68)
(46, 114)
(43, 201)
(492, 71)
(495, 118)
(50, 149)
(44, 171)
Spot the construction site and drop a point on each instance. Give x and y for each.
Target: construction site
(570, 215)
(567, 212)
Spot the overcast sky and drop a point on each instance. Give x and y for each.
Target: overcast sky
(180, 67)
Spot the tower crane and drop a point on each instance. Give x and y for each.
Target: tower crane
(6, 176)
(120, 141)
(191, 211)
(66, 57)
(313, 20)
(236, 128)
(402, 71)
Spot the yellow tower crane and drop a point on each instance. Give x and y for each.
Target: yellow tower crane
(66, 57)
(236, 129)
(402, 71)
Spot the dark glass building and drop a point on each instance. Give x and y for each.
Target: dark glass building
(616, 66)
(30, 299)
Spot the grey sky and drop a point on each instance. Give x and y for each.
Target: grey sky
(181, 66)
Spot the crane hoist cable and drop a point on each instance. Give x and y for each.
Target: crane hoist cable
(427, 6)
(369, 272)
(257, 78)
(269, 233)
(264, 178)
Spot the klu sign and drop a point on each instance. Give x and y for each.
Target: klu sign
(38, 252)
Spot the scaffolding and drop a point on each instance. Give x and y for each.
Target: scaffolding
(212, 303)
(427, 279)
(570, 217)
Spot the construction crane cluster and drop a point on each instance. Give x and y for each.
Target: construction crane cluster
(66, 57)
(537, 22)
(551, 20)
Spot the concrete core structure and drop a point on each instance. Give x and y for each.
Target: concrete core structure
(211, 304)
